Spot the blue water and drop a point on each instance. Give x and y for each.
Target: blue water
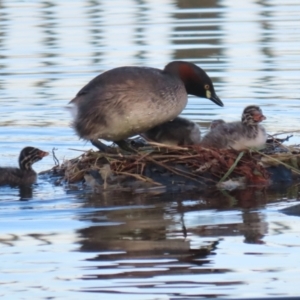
(61, 242)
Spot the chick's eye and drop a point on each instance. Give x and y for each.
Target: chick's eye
(206, 86)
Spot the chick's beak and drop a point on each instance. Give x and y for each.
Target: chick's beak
(43, 154)
(259, 117)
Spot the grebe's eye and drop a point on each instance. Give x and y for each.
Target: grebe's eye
(206, 86)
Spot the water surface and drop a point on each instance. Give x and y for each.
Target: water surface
(57, 242)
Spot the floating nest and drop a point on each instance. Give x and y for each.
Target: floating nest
(158, 167)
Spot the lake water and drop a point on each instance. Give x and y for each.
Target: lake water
(57, 242)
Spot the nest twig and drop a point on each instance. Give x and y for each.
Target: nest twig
(179, 164)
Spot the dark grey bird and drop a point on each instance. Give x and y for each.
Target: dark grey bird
(178, 132)
(127, 101)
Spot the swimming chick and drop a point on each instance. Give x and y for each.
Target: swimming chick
(24, 175)
(127, 101)
(244, 134)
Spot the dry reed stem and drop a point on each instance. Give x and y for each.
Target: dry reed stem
(140, 177)
(221, 163)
